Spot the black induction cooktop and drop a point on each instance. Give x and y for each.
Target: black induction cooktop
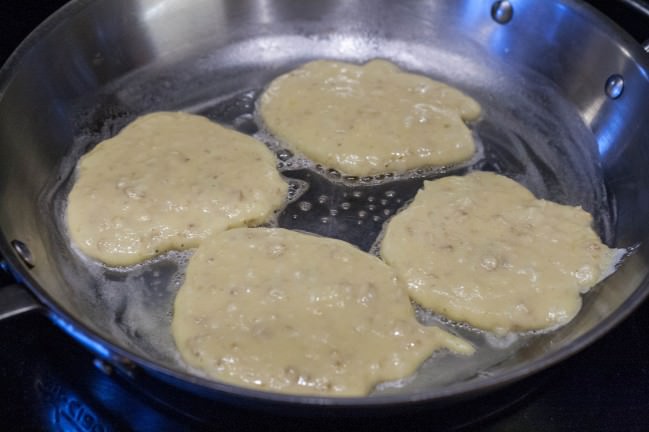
(49, 382)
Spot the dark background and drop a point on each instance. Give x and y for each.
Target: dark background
(48, 382)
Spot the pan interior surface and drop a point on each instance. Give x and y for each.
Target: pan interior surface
(546, 122)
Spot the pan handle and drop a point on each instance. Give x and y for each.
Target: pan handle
(15, 299)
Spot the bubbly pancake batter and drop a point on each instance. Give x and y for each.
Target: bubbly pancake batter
(369, 119)
(283, 311)
(167, 181)
(482, 249)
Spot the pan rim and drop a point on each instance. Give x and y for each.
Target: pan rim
(464, 389)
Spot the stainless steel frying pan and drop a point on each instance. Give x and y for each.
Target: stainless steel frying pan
(565, 96)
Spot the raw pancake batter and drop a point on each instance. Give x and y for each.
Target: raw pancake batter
(369, 119)
(482, 249)
(167, 181)
(283, 311)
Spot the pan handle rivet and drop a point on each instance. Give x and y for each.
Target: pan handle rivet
(23, 252)
(614, 86)
(502, 11)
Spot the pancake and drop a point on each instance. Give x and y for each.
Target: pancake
(369, 119)
(167, 181)
(483, 250)
(287, 312)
